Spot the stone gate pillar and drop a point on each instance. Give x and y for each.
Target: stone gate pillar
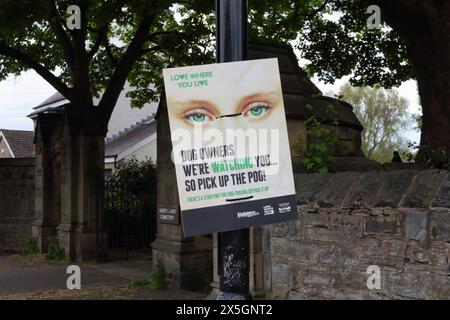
(187, 261)
(81, 231)
(47, 134)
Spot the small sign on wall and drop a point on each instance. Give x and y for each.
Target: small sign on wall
(168, 214)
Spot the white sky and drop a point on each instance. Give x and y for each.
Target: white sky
(18, 96)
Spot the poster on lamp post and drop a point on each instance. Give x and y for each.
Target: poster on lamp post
(230, 145)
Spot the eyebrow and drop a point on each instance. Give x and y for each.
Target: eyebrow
(195, 101)
(200, 104)
(270, 95)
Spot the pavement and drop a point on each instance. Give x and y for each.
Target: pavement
(33, 277)
(26, 274)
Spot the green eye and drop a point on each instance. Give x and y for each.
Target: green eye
(197, 117)
(258, 111)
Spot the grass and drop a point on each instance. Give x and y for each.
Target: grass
(155, 280)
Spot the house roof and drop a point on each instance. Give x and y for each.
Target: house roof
(20, 142)
(122, 117)
(56, 97)
(119, 144)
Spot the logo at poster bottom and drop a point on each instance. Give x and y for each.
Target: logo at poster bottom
(268, 210)
(284, 207)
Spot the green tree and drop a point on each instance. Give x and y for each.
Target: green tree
(333, 35)
(384, 115)
(414, 43)
(115, 37)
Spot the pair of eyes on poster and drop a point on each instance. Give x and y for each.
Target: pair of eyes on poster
(204, 114)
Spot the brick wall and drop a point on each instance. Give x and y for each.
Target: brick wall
(398, 221)
(16, 202)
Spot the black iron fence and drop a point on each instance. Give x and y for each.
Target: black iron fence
(130, 215)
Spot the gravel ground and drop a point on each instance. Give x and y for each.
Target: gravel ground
(16, 262)
(108, 293)
(34, 278)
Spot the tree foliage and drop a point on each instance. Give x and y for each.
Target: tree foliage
(134, 39)
(331, 34)
(338, 42)
(384, 116)
(118, 41)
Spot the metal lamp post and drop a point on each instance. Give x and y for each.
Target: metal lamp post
(234, 257)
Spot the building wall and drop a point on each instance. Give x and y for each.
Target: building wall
(4, 149)
(398, 221)
(124, 116)
(146, 152)
(16, 202)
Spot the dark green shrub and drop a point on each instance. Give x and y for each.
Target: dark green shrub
(54, 252)
(320, 139)
(428, 157)
(135, 175)
(132, 182)
(31, 246)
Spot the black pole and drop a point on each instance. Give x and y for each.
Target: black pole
(234, 258)
(231, 30)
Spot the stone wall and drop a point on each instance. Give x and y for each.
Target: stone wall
(398, 221)
(16, 202)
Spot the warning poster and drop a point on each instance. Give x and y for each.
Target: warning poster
(230, 145)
